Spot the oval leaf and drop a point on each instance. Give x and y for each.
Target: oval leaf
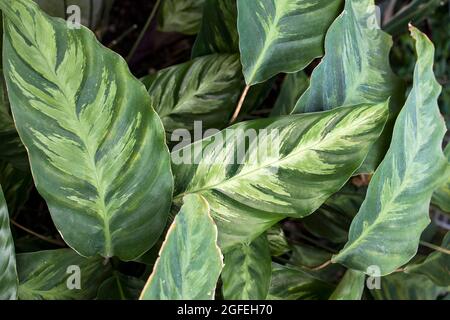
(290, 167)
(204, 89)
(8, 273)
(97, 148)
(247, 271)
(387, 228)
(282, 35)
(190, 261)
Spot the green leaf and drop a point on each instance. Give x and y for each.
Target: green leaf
(436, 266)
(204, 89)
(293, 87)
(190, 261)
(278, 242)
(97, 148)
(288, 169)
(332, 220)
(401, 286)
(386, 230)
(351, 286)
(289, 283)
(247, 271)
(53, 275)
(441, 197)
(282, 35)
(120, 287)
(218, 31)
(355, 69)
(8, 273)
(182, 16)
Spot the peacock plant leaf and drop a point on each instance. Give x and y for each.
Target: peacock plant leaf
(190, 262)
(278, 36)
(387, 228)
(97, 148)
(8, 273)
(256, 173)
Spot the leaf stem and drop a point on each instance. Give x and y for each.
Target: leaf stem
(144, 30)
(434, 247)
(240, 104)
(322, 266)
(37, 235)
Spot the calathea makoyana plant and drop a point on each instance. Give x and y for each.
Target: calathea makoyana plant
(168, 172)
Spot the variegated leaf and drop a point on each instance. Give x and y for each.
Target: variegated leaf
(182, 16)
(97, 148)
(436, 266)
(204, 89)
(256, 173)
(278, 36)
(8, 273)
(190, 261)
(355, 69)
(441, 197)
(386, 230)
(351, 286)
(247, 271)
(59, 275)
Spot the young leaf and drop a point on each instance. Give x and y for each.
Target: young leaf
(355, 69)
(282, 35)
(218, 31)
(59, 275)
(204, 89)
(351, 286)
(436, 266)
(293, 87)
(97, 148)
(190, 261)
(8, 273)
(441, 197)
(247, 271)
(387, 229)
(290, 283)
(290, 166)
(182, 16)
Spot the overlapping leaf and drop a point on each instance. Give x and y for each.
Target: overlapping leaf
(436, 266)
(289, 283)
(255, 173)
(182, 16)
(351, 286)
(282, 35)
(8, 273)
(218, 31)
(96, 147)
(59, 275)
(387, 229)
(120, 287)
(355, 69)
(190, 261)
(204, 89)
(247, 271)
(293, 87)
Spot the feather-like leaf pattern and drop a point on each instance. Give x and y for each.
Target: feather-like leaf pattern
(8, 273)
(97, 148)
(247, 271)
(190, 261)
(387, 228)
(256, 173)
(278, 36)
